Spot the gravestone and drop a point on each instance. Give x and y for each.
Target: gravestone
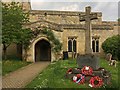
(88, 60)
(108, 56)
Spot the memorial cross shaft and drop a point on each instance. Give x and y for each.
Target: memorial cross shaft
(88, 17)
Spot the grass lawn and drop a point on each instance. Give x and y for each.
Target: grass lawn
(54, 76)
(12, 65)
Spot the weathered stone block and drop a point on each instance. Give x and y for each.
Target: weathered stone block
(98, 73)
(107, 80)
(87, 79)
(107, 77)
(69, 76)
(108, 56)
(88, 60)
(76, 71)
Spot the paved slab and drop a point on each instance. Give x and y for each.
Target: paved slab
(23, 76)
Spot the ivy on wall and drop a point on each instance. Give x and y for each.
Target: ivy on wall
(50, 35)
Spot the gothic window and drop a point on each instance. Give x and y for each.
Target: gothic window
(71, 44)
(95, 44)
(74, 45)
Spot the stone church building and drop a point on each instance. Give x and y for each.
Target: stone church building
(67, 27)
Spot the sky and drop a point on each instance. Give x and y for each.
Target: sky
(109, 8)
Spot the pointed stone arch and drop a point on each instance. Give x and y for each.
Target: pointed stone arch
(31, 57)
(42, 51)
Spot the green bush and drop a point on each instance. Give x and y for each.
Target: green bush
(112, 45)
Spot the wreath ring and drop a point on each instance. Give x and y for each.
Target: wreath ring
(87, 70)
(69, 71)
(79, 78)
(96, 82)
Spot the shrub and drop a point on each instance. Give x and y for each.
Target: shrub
(112, 45)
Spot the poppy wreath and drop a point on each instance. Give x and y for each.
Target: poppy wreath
(79, 78)
(69, 71)
(96, 82)
(87, 70)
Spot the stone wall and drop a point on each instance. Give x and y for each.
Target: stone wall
(65, 24)
(60, 17)
(104, 34)
(80, 38)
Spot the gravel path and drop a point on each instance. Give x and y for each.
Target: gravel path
(23, 76)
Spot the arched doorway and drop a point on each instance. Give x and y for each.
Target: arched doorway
(42, 51)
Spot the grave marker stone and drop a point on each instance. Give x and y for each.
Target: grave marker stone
(109, 57)
(88, 60)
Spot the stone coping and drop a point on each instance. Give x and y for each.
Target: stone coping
(74, 26)
(115, 23)
(67, 13)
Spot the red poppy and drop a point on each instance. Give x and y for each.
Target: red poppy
(96, 82)
(87, 70)
(69, 71)
(79, 78)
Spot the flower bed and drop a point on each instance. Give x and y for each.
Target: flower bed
(96, 79)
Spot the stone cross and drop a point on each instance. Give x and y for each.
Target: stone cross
(87, 18)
